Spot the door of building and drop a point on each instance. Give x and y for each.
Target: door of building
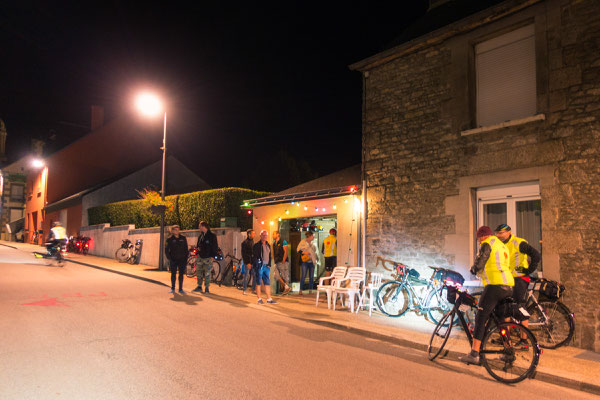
(518, 205)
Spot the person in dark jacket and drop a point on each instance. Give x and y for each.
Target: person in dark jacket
(248, 259)
(207, 251)
(177, 252)
(262, 267)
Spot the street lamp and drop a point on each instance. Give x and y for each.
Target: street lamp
(150, 105)
(37, 163)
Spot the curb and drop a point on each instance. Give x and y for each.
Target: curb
(540, 376)
(6, 245)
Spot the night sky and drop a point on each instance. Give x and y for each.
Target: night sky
(247, 84)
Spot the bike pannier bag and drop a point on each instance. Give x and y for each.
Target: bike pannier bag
(551, 289)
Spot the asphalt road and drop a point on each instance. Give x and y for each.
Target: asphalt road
(80, 333)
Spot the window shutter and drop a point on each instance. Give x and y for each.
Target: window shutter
(505, 77)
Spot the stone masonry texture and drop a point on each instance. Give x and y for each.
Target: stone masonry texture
(417, 105)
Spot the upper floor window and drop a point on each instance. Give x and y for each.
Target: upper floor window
(17, 192)
(505, 77)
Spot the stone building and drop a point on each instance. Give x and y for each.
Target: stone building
(492, 116)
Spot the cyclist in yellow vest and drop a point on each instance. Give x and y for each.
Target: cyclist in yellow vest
(493, 267)
(518, 251)
(329, 250)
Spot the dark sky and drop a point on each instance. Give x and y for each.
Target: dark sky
(244, 82)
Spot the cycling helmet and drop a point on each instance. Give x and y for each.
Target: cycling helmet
(502, 227)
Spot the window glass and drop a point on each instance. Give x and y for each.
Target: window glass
(494, 214)
(506, 77)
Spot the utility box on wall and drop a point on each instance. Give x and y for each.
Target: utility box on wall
(228, 222)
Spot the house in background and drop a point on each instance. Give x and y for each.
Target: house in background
(12, 193)
(116, 149)
(485, 114)
(179, 179)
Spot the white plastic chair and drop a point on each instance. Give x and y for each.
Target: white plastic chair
(354, 277)
(373, 285)
(337, 274)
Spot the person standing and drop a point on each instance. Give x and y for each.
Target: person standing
(329, 250)
(308, 257)
(207, 251)
(262, 267)
(492, 266)
(177, 252)
(520, 268)
(248, 259)
(280, 258)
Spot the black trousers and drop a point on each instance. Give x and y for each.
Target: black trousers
(177, 266)
(491, 296)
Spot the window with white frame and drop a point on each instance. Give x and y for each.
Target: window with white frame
(518, 205)
(505, 77)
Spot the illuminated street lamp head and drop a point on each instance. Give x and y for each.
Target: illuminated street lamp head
(149, 104)
(37, 163)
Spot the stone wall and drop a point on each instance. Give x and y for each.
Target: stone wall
(421, 167)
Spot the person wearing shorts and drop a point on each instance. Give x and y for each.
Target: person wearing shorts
(262, 267)
(282, 266)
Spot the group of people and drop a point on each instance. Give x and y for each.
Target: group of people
(503, 265)
(257, 259)
(177, 252)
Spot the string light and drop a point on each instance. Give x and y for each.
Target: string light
(305, 208)
(279, 219)
(322, 209)
(287, 212)
(334, 207)
(262, 222)
(271, 223)
(246, 204)
(316, 208)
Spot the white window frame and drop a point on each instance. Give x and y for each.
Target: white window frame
(509, 194)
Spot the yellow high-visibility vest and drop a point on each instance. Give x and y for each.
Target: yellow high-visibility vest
(515, 257)
(330, 246)
(497, 267)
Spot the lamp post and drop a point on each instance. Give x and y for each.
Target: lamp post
(151, 106)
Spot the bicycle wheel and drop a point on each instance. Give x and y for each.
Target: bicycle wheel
(393, 299)
(190, 270)
(438, 306)
(121, 255)
(555, 327)
(215, 271)
(133, 258)
(509, 352)
(440, 336)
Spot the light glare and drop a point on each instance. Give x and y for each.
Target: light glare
(148, 104)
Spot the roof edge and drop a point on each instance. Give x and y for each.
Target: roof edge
(462, 25)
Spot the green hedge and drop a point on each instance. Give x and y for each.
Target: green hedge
(190, 209)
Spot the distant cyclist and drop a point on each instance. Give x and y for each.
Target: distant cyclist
(520, 268)
(56, 237)
(493, 267)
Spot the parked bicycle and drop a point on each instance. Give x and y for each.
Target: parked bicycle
(191, 265)
(128, 252)
(551, 321)
(54, 256)
(233, 267)
(502, 351)
(396, 297)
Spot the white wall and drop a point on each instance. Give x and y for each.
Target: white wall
(106, 240)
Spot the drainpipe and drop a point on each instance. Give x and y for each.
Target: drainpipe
(363, 231)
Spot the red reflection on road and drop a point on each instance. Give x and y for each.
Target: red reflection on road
(53, 301)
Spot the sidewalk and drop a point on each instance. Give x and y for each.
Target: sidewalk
(570, 367)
